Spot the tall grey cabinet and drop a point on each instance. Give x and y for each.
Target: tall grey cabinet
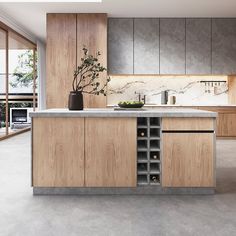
(224, 46)
(172, 46)
(146, 46)
(120, 45)
(198, 46)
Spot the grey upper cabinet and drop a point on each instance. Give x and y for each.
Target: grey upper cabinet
(172, 46)
(146, 46)
(120, 45)
(224, 46)
(198, 46)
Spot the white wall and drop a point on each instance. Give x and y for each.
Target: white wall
(16, 26)
(41, 50)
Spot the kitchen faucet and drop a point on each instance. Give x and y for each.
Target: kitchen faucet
(140, 98)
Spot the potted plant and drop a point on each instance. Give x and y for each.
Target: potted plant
(86, 80)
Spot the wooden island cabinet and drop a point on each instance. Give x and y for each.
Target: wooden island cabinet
(58, 152)
(134, 152)
(110, 152)
(84, 152)
(188, 152)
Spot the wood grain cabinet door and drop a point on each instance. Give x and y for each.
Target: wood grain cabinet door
(61, 58)
(110, 152)
(58, 152)
(92, 32)
(188, 160)
(226, 124)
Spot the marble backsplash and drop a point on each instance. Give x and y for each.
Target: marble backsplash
(189, 90)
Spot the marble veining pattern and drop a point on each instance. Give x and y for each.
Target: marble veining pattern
(188, 90)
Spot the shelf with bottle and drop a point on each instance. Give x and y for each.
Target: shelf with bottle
(148, 151)
(154, 179)
(154, 156)
(142, 133)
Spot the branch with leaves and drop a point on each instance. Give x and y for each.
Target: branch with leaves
(86, 77)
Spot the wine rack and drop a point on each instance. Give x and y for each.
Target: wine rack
(149, 151)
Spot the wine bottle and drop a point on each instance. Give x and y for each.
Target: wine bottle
(142, 134)
(154, 179)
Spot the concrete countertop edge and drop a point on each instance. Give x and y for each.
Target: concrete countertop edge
(162, 112)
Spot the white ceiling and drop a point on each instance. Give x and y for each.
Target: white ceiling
(32, 16)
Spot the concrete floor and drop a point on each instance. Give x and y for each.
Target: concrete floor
(23, 214)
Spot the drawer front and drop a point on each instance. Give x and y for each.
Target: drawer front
(188, 124)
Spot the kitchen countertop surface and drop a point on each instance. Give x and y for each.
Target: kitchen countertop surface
(110, 112)
(178, 105)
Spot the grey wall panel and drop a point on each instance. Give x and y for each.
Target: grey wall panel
(120, 46)
(172, 46)
(146, 46)
(224, 46)
(198, 46)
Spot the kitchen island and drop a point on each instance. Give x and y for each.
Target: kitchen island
(107, 151)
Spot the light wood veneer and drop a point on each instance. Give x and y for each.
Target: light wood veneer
(188, 160)
(225, 122)
(61, 58)
(67, 34)
(92, 33)
(110, 150)
(232, 89)
(187, 124)
(58, 152)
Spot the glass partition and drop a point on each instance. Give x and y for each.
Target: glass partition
(22, 86)
(18, 82)
(3, 98)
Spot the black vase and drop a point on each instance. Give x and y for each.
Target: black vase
(76, 101)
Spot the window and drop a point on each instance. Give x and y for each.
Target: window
(18, 82)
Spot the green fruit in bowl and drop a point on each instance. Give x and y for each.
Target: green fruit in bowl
(130, 104)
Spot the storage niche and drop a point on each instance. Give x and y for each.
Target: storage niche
(148, 151)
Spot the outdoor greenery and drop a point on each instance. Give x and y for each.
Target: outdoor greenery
(86, 77)
(23, 75)
(10, 105)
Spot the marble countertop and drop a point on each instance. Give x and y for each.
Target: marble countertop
(110, 112)
(178, 105)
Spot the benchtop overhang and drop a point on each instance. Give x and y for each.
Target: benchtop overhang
(106, 112)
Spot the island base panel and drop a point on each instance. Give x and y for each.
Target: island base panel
(146, 190)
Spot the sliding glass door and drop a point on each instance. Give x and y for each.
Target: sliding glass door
(18, 82)
(3, 84)
(22, 84)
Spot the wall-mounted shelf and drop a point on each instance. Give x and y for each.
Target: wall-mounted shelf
(149, 150)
